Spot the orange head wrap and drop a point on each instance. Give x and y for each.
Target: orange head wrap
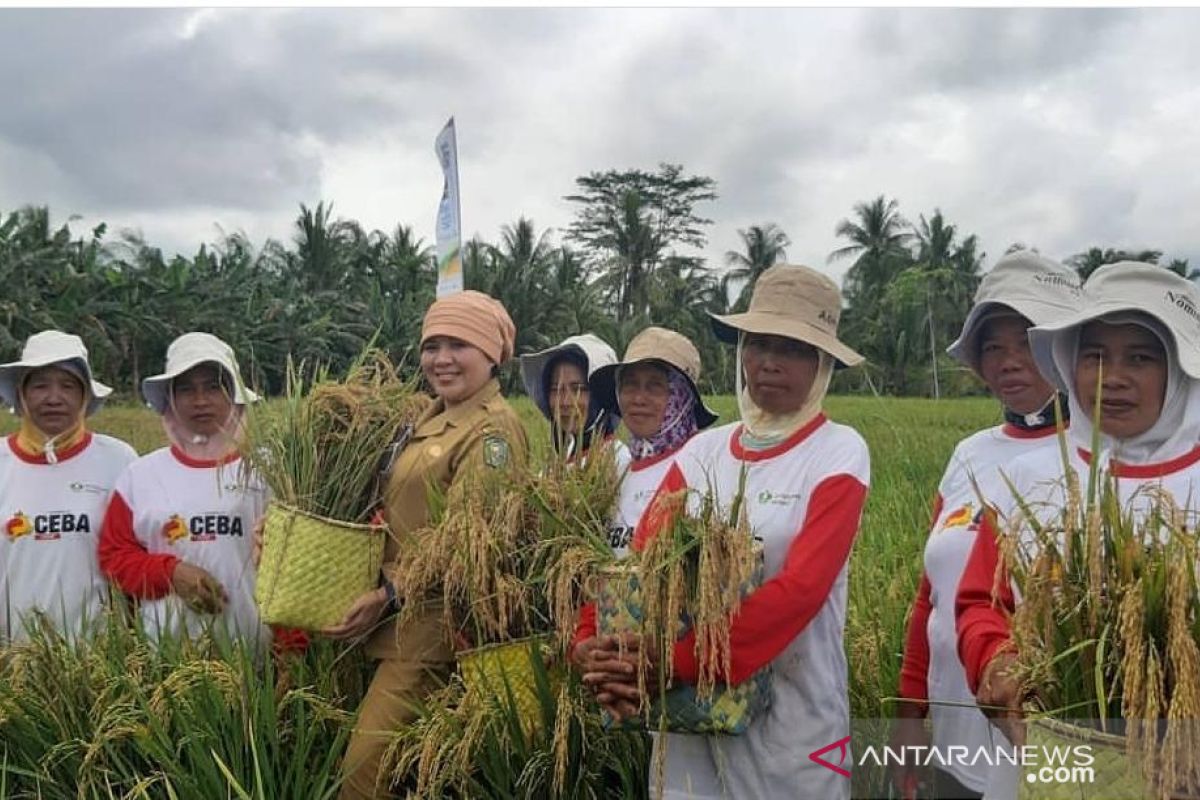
(475, 318)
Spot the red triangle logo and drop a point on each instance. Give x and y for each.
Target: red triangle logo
(841, 746)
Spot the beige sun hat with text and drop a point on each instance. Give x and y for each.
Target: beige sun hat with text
(45, 349)
(1038, 288)
(793, 301)
(654, 345)
(190, 350)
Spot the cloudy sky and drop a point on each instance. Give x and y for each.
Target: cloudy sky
(1061, 129)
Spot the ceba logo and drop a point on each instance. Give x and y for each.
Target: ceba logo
(18, 525)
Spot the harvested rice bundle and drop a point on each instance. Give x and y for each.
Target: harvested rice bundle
(322, 450)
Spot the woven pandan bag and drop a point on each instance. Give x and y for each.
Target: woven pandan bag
(729, 710)
(313, 569)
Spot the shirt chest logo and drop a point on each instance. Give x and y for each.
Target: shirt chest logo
(960, 517)
(202, 527)
(46, 527)
(768, 498)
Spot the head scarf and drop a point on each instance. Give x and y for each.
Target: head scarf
(475, 318)
(32, 439)
(1177, 429)
(761, 429)
(598, 421)
(679, 418)
(201, 447)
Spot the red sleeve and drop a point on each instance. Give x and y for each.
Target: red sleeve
(983, 606)
(288, 640)
(780, 609)
(585, 627)
(125, 561)
(668, 501)
(914, 670)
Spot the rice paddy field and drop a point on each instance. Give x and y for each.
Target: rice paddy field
(120, 720)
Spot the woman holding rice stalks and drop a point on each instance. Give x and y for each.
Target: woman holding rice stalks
(1021, 290)
(556, 379)
(469, 431)
(55, 478)
(801, 481)
(1129, 361)
(177, 535)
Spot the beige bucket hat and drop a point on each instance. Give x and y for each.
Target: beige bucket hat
(1038, 288)
(190, 350)
(654, 345)
(793, 301)
(1130, 286)
(46, 349)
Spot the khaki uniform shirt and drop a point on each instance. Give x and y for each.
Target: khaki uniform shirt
(447, 443)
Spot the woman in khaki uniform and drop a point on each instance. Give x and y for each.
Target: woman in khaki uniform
(464, 338)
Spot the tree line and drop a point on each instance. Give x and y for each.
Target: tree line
(626, 261)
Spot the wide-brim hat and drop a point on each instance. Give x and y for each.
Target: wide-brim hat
(191, 350)
(1124, 287)
(793, 301)
(660, 346)
(47, 349)
(594, 351)
(1038, 288)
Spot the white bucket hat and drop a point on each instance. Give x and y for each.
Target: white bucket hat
(190, 350)
(1038, 288)
(1130, 286)
(45, 349)
(595, 351)
(796, 302)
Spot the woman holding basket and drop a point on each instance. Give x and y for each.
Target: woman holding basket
(465, 338)
(805, 482)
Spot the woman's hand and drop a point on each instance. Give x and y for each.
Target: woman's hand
(611, 673)
(199, 590)
(256, 541)
(362, 616)
(1000, 697)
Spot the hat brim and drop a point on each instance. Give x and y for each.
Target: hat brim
(154, 388)
(728, 326)
(1041, 337)
(603, 385)
(533, 365)
(964, 347)
(12, 373)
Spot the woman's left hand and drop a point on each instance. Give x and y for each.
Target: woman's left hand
(361, 617)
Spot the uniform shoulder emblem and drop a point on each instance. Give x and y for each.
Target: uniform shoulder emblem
(496, 452)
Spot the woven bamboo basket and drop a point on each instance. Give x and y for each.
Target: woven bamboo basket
(507, 671)
(729, 710)
(313, 569)
(1117, 774)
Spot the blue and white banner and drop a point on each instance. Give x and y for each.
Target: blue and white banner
(449, 224)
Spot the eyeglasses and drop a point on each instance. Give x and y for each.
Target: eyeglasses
(569, 389)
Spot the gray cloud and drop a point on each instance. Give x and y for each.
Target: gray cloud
(1060, 128)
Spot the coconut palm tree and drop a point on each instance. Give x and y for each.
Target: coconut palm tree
(763, 246)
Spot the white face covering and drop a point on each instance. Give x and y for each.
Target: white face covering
(1177, 429)
(766, 428)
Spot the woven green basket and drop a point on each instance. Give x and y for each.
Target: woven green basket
(729, 710)
(1116, 772)
(506, 672)
(313, 569)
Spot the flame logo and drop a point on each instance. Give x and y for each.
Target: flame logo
(175, 529)
(17, 526)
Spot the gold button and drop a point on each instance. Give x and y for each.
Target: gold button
(435, 450)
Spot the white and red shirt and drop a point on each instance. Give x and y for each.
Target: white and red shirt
(51, 515)
(983, 621)
(804, 499)
(167, 508)
(931, 670)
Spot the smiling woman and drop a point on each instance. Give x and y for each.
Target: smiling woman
(48, 544)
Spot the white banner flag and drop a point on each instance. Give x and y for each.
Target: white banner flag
(449, 231)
